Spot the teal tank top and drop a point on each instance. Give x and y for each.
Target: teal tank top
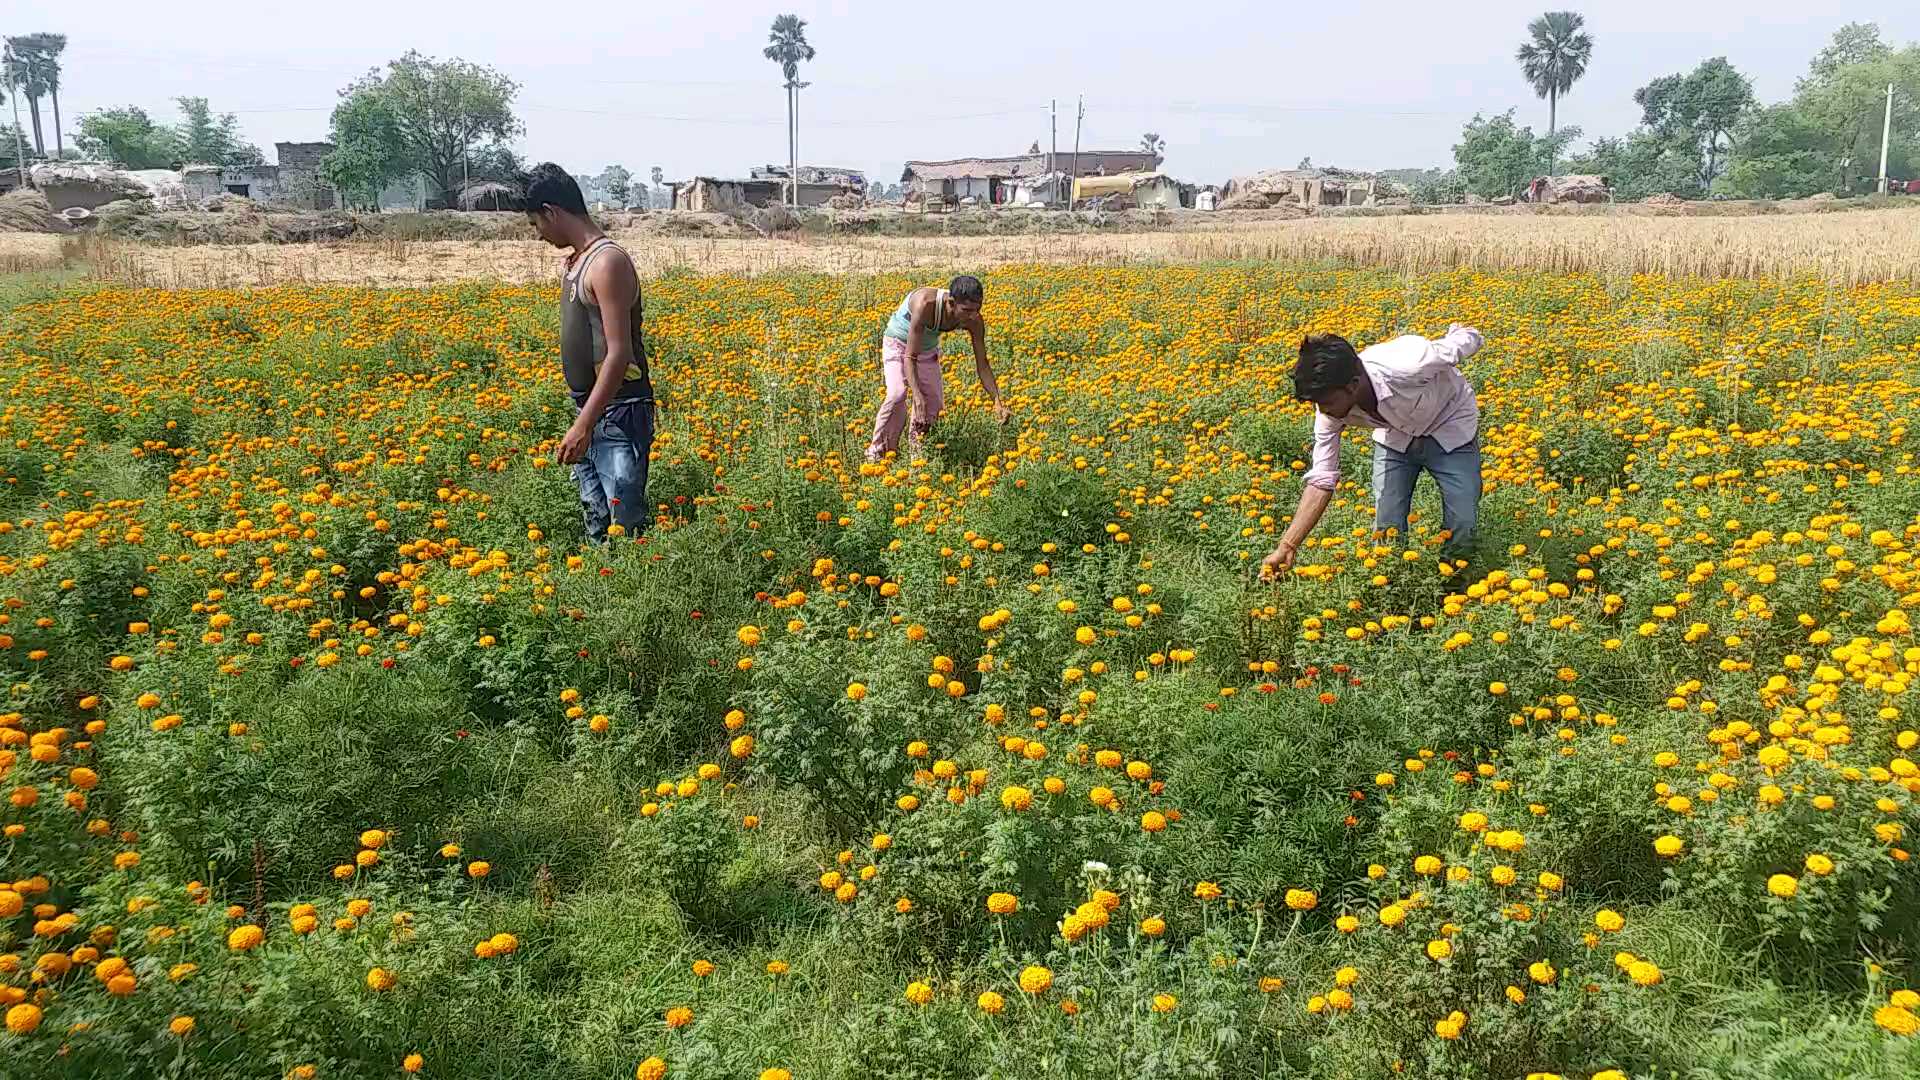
(902, 320)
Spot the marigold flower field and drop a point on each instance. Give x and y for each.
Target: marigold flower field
(331, 751)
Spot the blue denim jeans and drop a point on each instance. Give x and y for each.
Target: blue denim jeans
(1457, 473)
(613, 475)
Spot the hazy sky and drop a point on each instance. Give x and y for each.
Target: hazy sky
(1231, 86)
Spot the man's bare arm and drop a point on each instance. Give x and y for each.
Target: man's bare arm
(1306, 517)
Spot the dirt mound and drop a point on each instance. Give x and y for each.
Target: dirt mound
(26, 210)
(1665, 198)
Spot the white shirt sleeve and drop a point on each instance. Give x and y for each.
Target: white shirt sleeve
(1325, 470)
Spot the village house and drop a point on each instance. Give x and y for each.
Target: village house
(999, 181)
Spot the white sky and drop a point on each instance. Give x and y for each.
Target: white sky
(1232, 86)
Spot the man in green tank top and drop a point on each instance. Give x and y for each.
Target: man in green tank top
(603, 356)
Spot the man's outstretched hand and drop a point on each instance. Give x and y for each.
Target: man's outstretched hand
(1281, 559)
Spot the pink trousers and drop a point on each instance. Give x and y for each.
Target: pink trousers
(893, 410)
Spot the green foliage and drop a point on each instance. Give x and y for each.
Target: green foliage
(423, 115)
(128, 137)
(1494, 157)
(207, 139)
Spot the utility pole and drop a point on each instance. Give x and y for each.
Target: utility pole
(1053, 139)
(19, 145)
(1080, 113)
(1886, 127)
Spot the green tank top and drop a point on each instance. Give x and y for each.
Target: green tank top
(901, 324)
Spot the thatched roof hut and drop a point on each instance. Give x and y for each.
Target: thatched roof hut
(489, 195)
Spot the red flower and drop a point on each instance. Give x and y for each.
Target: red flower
(1313, 672)
(460, 734)
(583, 654)
(694, 614)
(1352, 821)
(679, 500)
(387, 663)
(1327, 698)
(1212, 706)
(1266, 688)
(1356, 795)
(1340, 669)
(606, 571)
(296, 661)
(1451, 755)
(613, 501)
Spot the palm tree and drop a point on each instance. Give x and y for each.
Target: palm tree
(49, 47)
(787, 46)
(28, 68)
(1153, 144)
(1555, 58)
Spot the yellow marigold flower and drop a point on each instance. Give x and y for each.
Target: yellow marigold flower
(1502, 875)
(1439, 948)
(1153, 926)
(1783, 885)
(1609, 920)
(990, 1003)
(1819, 864)
(919, 993)
(1346, 977)
(1016, 798)
(1392, 915)
(1165, 1003)
(1427, 865)
(856, 691)
(413, 1063)
(1669, 846)
(479, 869)
(1542, 972)
(181, 1026)
(678, 1017)
(1035, 979)
(1272, 985)
(654, 1068)
(1898, 1020)
(1302, 899)
(245, 937)
(380, 979)
(702, 968)
(1003, 903)
(1206, 890)
(1346, 924)
(1644, 972)
(1153, 821)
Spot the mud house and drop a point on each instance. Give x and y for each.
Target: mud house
(850, 181)
(998, 181)
(713, 194)
(295, 181)
(1299, 187)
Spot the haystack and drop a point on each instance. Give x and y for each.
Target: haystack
(26, 210)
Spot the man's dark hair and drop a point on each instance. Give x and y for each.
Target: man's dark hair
(1327, 363)
(547, 184)
(966, 289)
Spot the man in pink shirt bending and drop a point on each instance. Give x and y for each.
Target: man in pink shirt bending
(1423, 415)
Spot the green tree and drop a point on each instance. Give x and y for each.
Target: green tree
(1494, 157)
(1780, 156)
(445, 114)
(368, 153)
(206, 139)
(1554, 57)
(1696, 114)
(787, 46)
(1153, 144)
(617, 182)
(1828, 136)
(129, 138)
